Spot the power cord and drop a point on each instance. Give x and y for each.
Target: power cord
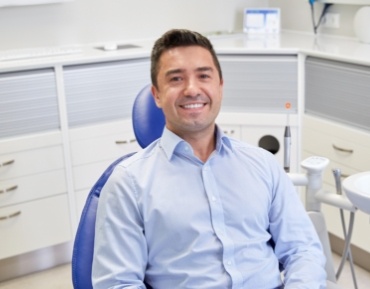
(323, 12)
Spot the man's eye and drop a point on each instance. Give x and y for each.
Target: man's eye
(175, 78)
(204, 76)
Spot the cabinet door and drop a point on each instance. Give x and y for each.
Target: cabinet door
(34, 225)
(338, 91)
(28, 102)
(259, 84)
(101, 92)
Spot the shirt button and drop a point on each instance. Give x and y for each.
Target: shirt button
(214, 199)
(229, 262)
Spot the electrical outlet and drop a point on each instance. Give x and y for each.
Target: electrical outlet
(331, 20)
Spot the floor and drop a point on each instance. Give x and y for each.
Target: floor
(60, 278)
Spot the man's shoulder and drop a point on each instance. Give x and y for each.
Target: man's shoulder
(141, 155)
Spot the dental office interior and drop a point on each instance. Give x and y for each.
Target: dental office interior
(64, 63)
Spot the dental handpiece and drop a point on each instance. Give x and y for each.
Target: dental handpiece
(287, 148)
(337, 177)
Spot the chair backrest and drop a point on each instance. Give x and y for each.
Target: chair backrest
(148, 123)
(147, 119)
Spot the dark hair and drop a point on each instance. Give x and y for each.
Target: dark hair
(177, 38)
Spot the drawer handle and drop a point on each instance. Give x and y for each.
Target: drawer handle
(6, 163)
(125, 141)
(7, 190)
(342, 149)
(2, 218)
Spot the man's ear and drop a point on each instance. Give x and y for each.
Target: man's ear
(156, 97)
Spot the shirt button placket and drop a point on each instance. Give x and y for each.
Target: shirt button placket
(218, 222)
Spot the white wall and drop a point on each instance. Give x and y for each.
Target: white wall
(99, 21)
(95, 21)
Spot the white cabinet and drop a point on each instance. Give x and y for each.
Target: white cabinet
(348, 149)
(33, 225)
(34, 209)
(99, 100)
(337, 126)
(33, 199)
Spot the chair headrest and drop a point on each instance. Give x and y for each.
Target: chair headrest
(147, 119)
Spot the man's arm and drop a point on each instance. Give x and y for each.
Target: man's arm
(297, 245)
(120, 250)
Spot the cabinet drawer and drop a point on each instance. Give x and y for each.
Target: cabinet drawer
(340, 150)
(31, 162)
(103, 142)
(18, 190)
(35, 225)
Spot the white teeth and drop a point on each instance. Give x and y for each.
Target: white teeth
(193, 105)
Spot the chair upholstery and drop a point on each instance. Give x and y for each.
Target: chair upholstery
(147, 119)
(148, 123)
(83, 247)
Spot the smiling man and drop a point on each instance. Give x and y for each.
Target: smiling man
(197, 209)
(189, 90)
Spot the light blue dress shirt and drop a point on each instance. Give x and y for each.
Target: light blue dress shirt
(176, 222)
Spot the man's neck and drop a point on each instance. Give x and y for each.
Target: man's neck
(203, 144)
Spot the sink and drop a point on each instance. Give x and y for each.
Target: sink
(357, 189)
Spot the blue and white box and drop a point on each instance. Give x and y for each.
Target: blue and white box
(261, 20)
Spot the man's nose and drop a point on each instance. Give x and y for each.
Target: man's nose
(192, 87)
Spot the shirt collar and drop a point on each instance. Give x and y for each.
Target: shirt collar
(170, 142)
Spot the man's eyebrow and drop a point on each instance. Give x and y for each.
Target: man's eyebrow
(205, 68)
(174, 71)
(179, 70)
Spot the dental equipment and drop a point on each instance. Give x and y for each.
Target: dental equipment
(287, 143)
(314, 196)
(347, 233)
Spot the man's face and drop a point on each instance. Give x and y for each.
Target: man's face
(189, 90)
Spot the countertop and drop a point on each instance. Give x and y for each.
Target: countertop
(329, 47)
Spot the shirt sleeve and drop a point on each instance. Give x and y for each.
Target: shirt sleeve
(297, 244)
(120, 250)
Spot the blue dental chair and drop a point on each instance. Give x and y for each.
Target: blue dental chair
(148, 123)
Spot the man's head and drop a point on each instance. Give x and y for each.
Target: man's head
(187, 83)
(179, 38)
